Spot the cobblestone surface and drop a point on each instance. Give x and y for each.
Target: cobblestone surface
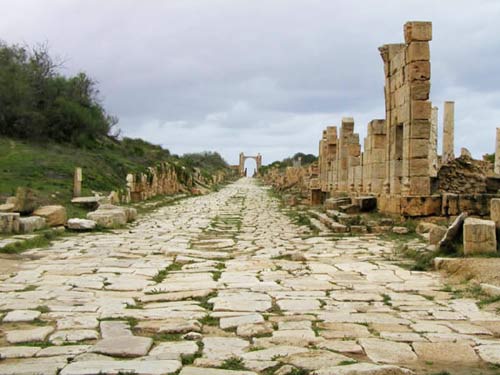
(226, 281)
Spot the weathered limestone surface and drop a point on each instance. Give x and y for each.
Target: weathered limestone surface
(228, 275)
(31, 223)
(479, 236)
(53, 215)
(448, 132)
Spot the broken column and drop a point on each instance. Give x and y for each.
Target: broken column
(448, 132)
(77, 182)
(497, 152)
(433, 158)
(346, 133)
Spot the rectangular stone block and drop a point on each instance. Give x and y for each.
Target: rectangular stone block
(418, 51)
(419, 148)
(420, 90)
(421, 186)
(495, 211)
(479, 236)
(419, 167)
(420, 110)
(418, 31)
(419, 71)
(420, 129)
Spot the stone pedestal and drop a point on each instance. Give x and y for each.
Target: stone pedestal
(479, 236)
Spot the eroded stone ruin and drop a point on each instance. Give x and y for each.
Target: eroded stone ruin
(399, 164)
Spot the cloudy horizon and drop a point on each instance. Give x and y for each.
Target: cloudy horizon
(268, 77)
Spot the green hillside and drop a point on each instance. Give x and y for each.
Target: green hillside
(48, 167)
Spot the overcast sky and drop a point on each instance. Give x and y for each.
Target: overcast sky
(263, 75)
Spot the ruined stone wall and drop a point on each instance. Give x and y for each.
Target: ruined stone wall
(160, 180)
(374, 157)
(327, 160)
(408, 111)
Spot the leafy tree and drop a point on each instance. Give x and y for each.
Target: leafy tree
(38, 103)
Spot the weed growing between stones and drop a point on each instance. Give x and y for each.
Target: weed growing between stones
(233, 363)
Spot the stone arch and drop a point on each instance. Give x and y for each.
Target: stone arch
(243, 158)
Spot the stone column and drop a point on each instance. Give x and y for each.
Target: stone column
(242, 164)
(448, 132)
(433, 159)
(497, 153)
(77, 182)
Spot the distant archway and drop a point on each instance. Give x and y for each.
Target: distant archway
(243, 158)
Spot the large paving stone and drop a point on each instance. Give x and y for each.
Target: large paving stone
(315, 360)
(383, 351)
(33, 366)
(363, 369)
(124, 346)
(222, 348)
(445, 352)
(190, 370)
(488, 353)
(21, 316)
(28, 335)
(153, 367)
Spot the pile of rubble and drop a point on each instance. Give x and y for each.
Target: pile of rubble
(24, 214)
(462, 175)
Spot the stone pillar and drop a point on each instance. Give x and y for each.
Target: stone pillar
(242, 164)
(497, 153)
(433, 158)
(258, 162)
(77, 182)
(448, 132)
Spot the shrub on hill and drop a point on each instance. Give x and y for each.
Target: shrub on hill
(37, 102)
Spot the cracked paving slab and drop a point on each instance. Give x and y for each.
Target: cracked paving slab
(227, 284)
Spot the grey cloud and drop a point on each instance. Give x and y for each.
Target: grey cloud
(263, 76)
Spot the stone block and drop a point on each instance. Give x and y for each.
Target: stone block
(479, 236)
(436, 234)
(31, 224)
(7, 207)
(429, 205)
(420, 185)
(54, 215)
(420, 110)
(420, 90)
(81, 224)
(495, 211)
(419, 148)
(420, 129)
(419, 167)
(9, 222)
(418, 31)
(91, 203)
(419, 71)
(26, 201)
(418, 51)
(109, 216)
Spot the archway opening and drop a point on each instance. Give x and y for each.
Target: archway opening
(250, 167)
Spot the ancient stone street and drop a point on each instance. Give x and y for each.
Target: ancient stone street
(226, 281)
